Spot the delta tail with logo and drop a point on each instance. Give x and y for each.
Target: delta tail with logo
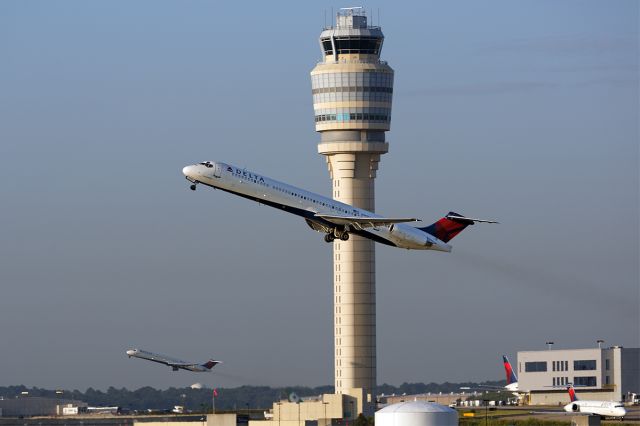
(334, 219)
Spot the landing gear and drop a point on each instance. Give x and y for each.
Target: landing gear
(193, 187)
(331, 236)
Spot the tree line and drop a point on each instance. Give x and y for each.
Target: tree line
(239, 398)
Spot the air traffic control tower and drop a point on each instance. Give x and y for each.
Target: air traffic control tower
(352, 90)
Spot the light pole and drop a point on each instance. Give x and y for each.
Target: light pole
(599, 342)
(549, 344)
(298, 412)
(486, 411)
(325, 411)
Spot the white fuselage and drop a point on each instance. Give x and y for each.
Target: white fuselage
(303, 203)
(600, 408)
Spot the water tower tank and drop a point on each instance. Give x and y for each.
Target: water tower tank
(416, 413)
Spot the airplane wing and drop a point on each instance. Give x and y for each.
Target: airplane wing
(561, 413)
(182, 364)
(360, 222)
(487, 387)
(490, 389)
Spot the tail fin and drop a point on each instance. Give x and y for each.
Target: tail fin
(451, 225)
(572, 393)
(511, 376)
(211, 363)
(448, 227)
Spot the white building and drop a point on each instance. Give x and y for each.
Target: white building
(598, 373)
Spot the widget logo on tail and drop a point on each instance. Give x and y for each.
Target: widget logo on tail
(511, 376)
(572, 393)
(210, 364)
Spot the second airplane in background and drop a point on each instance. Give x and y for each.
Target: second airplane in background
(333, 218)
(175, 364)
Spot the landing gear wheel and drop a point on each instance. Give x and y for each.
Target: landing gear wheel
(193, 187)
(344, 236)
(329, 238)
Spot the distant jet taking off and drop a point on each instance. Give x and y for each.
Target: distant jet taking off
(333, 218)
(175, 364)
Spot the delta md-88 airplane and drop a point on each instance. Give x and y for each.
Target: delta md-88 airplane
(333, 218)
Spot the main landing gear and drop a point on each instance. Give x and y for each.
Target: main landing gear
(331, 236)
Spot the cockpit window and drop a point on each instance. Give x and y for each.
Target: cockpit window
(207, 163)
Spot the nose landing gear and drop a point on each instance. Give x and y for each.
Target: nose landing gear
(193, 186)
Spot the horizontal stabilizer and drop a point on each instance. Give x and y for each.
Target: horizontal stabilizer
(463, 218)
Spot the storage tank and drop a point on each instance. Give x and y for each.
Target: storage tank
(416, 413)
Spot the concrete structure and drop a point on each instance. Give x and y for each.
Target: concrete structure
(324, 410)
(416, 413)
(439, 398)
(610, 374)
(352, 91)
(39, 406)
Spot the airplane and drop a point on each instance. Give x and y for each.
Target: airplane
(587, 407)
(175, 364)
(599, 408)
(335, 219)
(512, 381)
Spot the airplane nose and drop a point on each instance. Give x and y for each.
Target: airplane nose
(130, 352)
(187, 170)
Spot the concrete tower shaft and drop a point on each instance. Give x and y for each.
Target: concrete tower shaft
(352, 93)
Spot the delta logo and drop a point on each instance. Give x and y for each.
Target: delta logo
(245, 174)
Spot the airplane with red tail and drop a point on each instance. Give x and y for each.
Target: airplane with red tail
(334, 219)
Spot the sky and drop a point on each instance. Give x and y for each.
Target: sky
(525, 112)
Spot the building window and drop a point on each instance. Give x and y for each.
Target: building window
(585, 381)
(606, 364)
(606, 380)
(584, 364)
(536, 366)
(566, 365)
(554, 379)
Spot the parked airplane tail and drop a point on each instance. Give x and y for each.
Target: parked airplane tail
(511, 376)
(210, 364)
(572, 393)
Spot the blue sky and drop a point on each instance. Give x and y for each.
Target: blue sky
(526, 112)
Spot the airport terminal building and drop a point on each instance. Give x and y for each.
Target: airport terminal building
(597, 373)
